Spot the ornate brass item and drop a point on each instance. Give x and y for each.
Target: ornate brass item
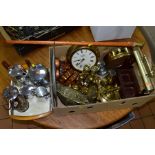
(70, 96)
(118, 57)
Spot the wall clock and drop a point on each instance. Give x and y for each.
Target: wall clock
(79, 56)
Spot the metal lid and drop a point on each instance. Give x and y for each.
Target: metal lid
(16, 71)
(37, 72)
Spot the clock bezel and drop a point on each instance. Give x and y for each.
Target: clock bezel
(73, 49)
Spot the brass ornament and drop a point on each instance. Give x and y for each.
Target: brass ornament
(118, 57)
(96, 87)
(69, 96)
(119, 53)
(108, 93)
(68, 77)
(92, 93)
(145, 69)
(86, 68)
(84, 90)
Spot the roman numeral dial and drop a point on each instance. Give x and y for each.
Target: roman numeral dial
(82, 57)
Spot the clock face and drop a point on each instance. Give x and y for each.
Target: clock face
(83, 57)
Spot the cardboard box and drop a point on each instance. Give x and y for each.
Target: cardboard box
(61, 109)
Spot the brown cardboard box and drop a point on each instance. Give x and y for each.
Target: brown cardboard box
(60, 109)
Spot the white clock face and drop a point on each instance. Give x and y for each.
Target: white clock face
(83, 57)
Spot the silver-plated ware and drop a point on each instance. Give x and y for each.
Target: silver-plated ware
(41, 91)
(102, 69)
(16, 71)
(16, 100)
(27, 91)
(37, 73)
(10, 93)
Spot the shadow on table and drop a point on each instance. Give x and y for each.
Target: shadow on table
(121, 122)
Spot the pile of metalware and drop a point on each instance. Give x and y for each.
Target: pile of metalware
(28, 80)
(82, 77)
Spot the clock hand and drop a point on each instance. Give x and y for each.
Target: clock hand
(76, 60)
(80, 62)
(77, 64)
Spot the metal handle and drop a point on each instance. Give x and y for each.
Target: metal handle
(28, 62)
(5, 65)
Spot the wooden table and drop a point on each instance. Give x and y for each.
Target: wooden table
(89, 120)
